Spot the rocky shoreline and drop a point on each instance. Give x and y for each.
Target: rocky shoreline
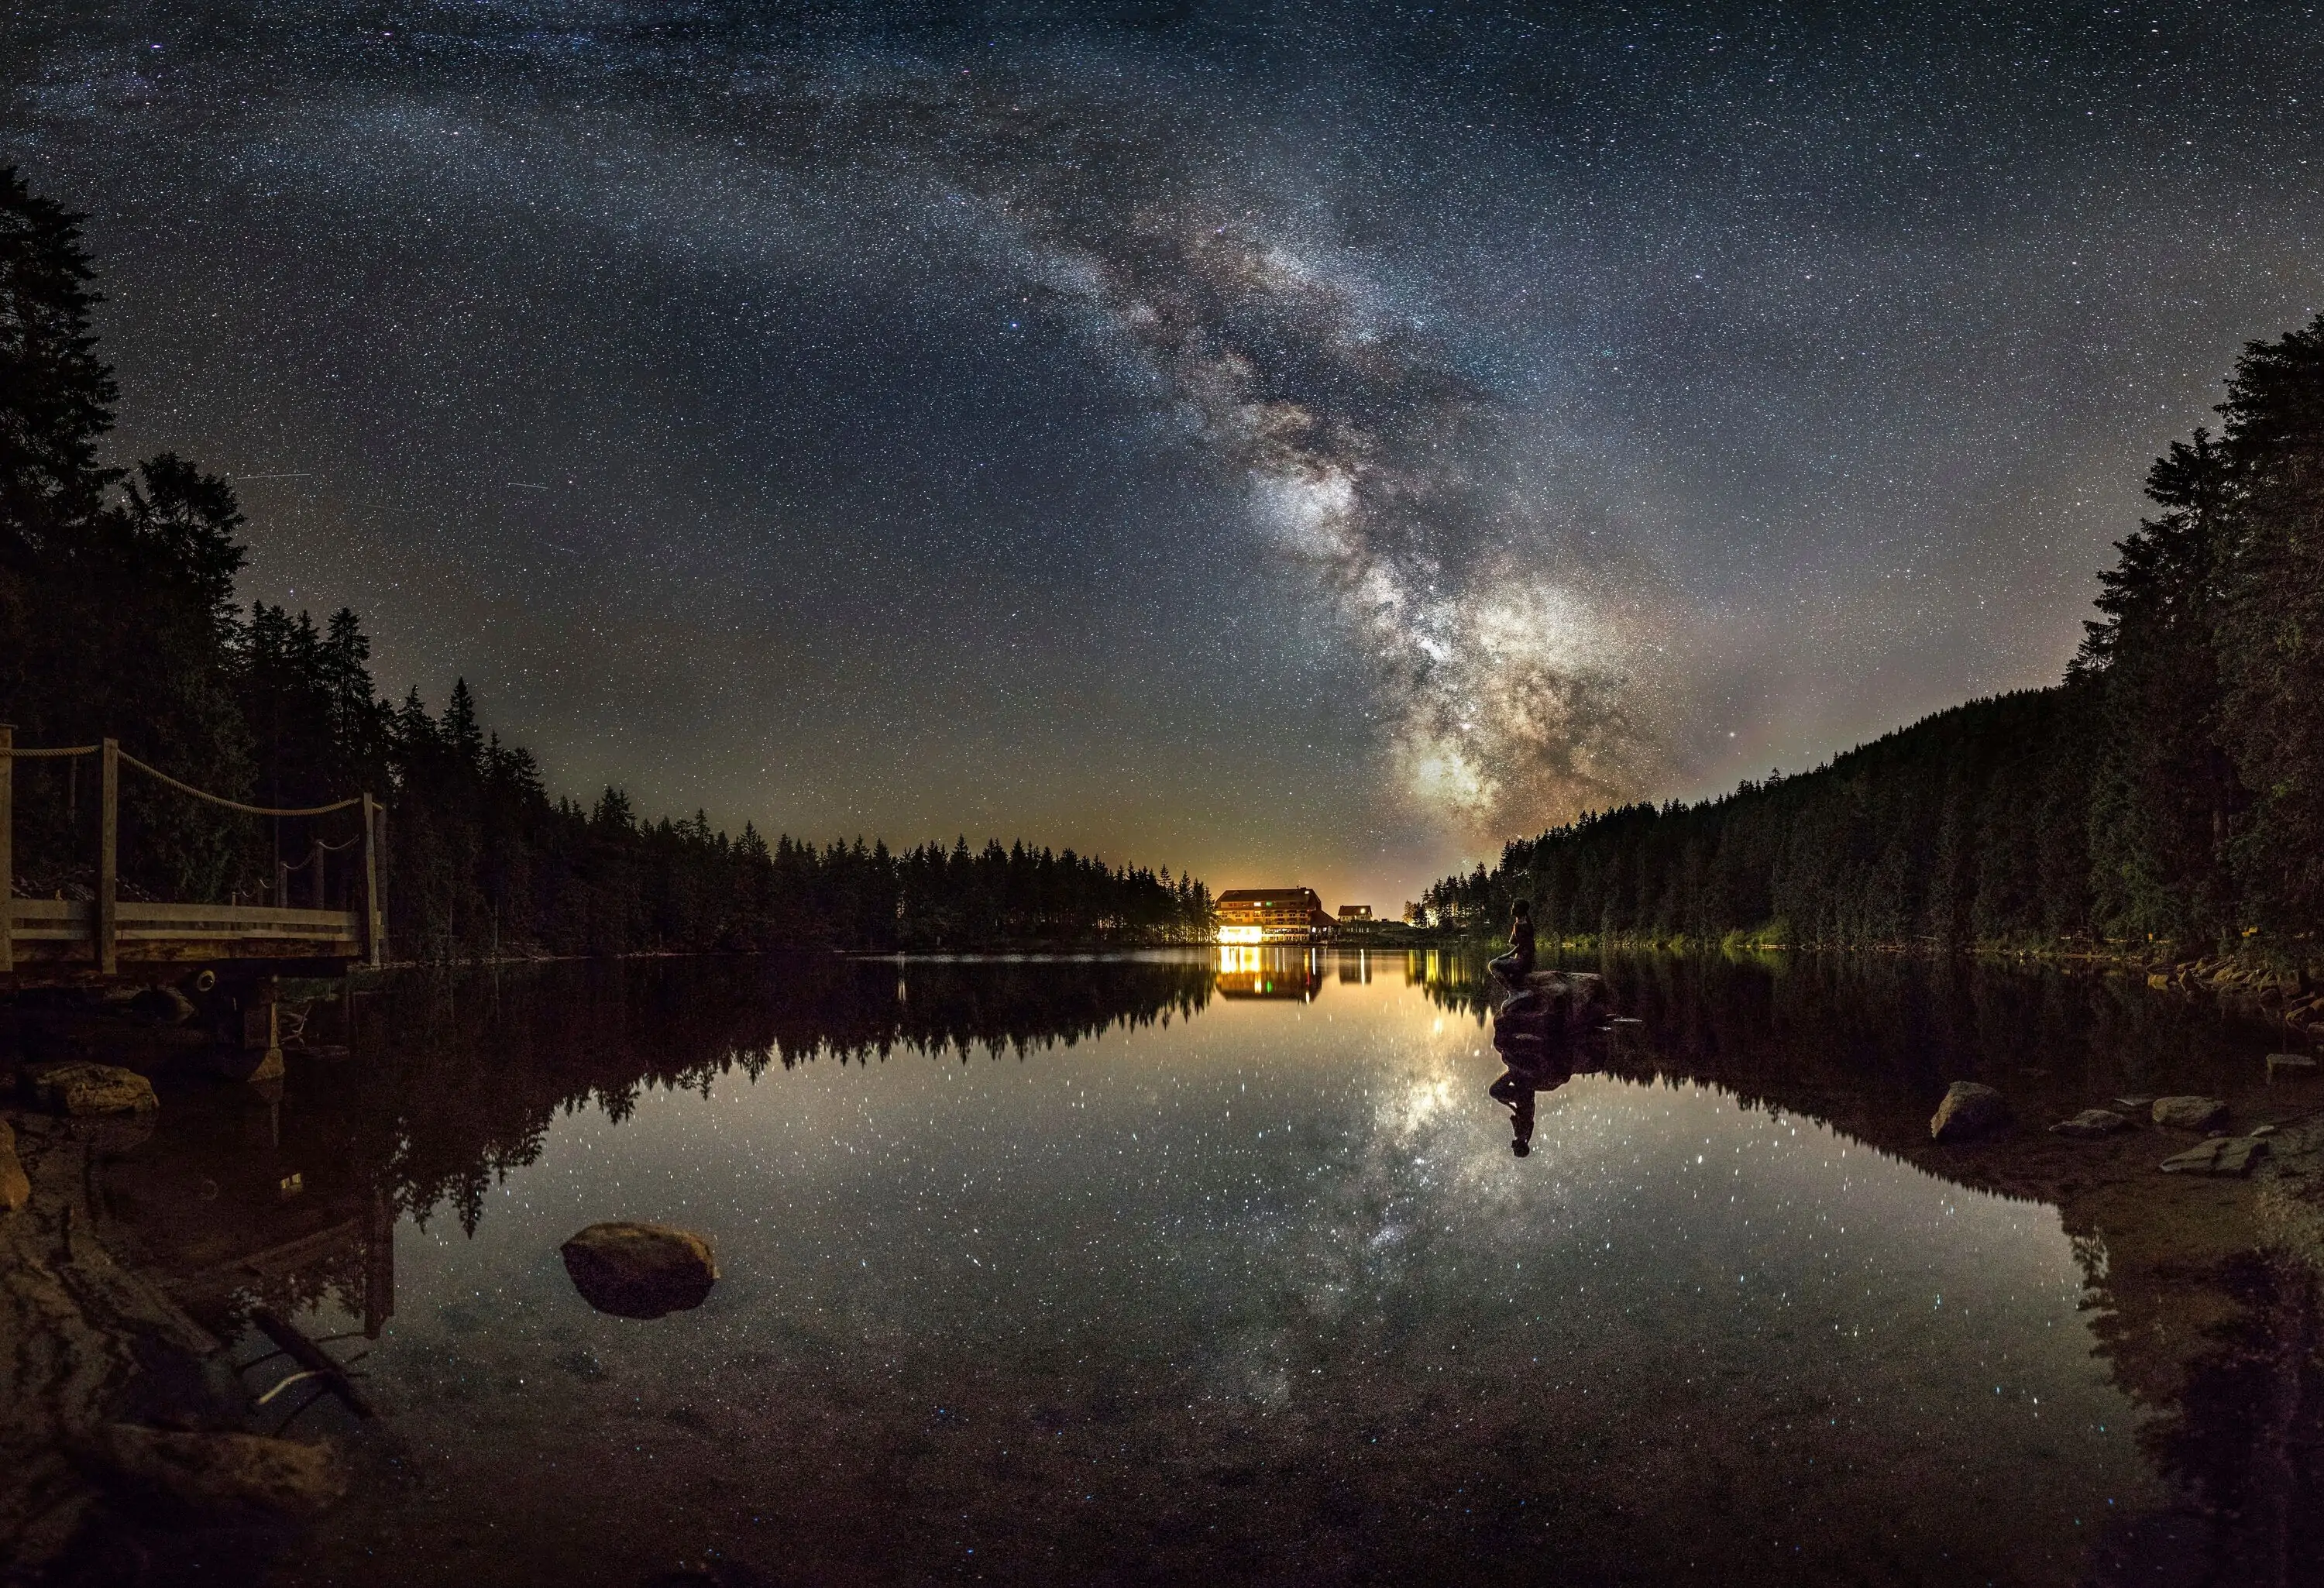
(86, 1341)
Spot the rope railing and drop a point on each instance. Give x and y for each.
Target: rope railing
(130, 760)
(319, 848)
(182, 787)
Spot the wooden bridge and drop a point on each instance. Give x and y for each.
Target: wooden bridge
(107, 940)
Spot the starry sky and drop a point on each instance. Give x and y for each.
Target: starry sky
(1300, 442)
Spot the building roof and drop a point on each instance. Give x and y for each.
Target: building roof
(1271, 896)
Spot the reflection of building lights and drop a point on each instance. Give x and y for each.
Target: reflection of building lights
(1247, 971)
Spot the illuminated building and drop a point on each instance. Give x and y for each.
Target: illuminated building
(1272, 915)
(1355, 912)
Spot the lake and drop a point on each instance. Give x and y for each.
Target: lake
(1221, 1264)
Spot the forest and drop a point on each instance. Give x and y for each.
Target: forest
(2166, 796)
(119, 616)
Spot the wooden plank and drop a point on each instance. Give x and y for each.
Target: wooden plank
(108, 827)
(7, 845)
(153, 910)
(79, 912)
(228, 935)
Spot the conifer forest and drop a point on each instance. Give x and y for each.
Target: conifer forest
(119, 617)
(2168, 790)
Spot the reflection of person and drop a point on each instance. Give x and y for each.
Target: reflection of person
(1515, 1090)
(1516, 965)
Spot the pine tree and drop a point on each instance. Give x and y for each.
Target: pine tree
(2163, 789)
(2270, 629)
(56, 394)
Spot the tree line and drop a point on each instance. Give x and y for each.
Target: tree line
(119, 617)
(2170, 788)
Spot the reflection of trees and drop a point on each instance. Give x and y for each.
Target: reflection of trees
(458, 1079)
(1454, 978)
(2190, 1318)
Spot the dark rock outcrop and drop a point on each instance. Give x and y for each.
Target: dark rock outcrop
(76, 1330)
(2091, 1124)
(641, 1270)
(1969, 1109)
(221, 1471)
(2189, 1113)
(2227, 1156)
(84, 1088)
(1546, 1006)
(15, 1189)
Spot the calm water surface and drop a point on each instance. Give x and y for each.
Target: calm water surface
(1157, 1270)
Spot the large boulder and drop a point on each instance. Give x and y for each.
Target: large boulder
(2091, 1124)
(1969, 1109)
(640, 1271)
(1548, 1004)
(2189, 1113)
(215, 1472)
(15, 1189)
(85, 1088)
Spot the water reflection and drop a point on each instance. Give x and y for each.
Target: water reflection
(1146, 1268)
(1526, 1078)
(1294, 973)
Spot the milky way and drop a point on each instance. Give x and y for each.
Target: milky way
(1300, 442)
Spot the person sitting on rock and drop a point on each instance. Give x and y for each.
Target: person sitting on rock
(1516, 965)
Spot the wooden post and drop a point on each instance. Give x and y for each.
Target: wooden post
(315, 859)
(373, 945)
(7, 845)
(108, 822)
(379, 1264)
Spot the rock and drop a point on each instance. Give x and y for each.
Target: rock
(1549, 1003)
(2091, 1124)
(2263, 1130)
(2136, 1102)
(2195, 1160)
(247, 1063)
(85, 1088)
(1968, 1109)
(638, 1270)
(15, 1190)
(224, 1471)
(2188, 1114)
(163, 1005)
(2225, 1157)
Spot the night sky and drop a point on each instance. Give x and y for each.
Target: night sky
(1304, 443)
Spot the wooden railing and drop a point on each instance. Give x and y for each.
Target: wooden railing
(178, 932)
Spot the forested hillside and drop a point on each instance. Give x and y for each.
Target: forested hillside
(2171, 787)
(118, 616)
